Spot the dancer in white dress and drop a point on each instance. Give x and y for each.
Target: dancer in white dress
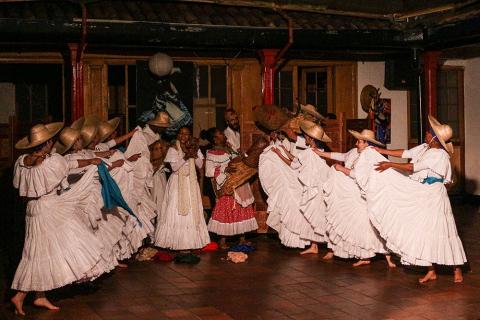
(143, 169)
(421, 229)
(181, 224)
(280, 182)
(58, 249)
(349, 228)
(313, 171)
(158, 151)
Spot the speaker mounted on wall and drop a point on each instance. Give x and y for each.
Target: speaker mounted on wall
(400, 74)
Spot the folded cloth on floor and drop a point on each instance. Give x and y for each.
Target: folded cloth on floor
(237, 257)
(212, 246)
(242, 248)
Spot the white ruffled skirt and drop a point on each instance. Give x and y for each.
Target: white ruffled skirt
(415, 219)
(58, 249)
(180, 232)
(351, 235)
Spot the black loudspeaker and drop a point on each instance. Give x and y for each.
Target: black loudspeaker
(400, 74)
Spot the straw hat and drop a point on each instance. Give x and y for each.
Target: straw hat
(88, 127)
(367, 135)
(270, 116)
(314, 130)
(443, 132)
(39, 134)
(311, 110)
(106, 128)
(161, 120)
(66, 139)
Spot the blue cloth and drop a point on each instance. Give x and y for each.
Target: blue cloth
(245, 248)
(432, 180)
(111, 194)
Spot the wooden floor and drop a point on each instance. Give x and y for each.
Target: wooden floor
(275, 283)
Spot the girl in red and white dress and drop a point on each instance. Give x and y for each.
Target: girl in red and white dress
(233, 214)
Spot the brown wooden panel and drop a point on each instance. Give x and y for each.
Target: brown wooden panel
(96, 90)
(345, 90)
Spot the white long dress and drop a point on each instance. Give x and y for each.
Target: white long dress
(280, 183)
(143, 176)
(159, 186)
(58, 249)
(181, 225)
(313, 172)
(108, 228)
(349, 229)
(415, 219)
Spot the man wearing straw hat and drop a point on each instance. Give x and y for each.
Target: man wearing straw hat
(427, 218)
(414, 216)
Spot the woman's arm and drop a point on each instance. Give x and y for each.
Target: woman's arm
(341, 168)
(125, 137)
(86, 162)
(405, 167)
(394, 153)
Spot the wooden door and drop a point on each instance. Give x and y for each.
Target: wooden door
(450, 110)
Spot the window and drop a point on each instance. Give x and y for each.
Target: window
(210, 96)
(450, 100)
(284, 90)
(317, 88)
(35, 92)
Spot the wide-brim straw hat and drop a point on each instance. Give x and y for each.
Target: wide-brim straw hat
(367, 135)
(270, 116)
(39, 134)
(161, 120)
(88, 127)
(311, 110)
(443, 132)
(314, 131)
(106, 128)
(66, 139)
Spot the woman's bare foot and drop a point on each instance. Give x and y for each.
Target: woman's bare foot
(361, 263)
(122, 265)
(17, 301)
(390, 262)
(458, 275)
(312, 250)
(44, 303)
(430, 276)
(328, 256)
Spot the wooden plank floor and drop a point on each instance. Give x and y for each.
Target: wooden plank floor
(275, 283)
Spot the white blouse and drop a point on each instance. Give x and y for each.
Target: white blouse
(217, 159)
(36, 181)
(348, 158)
(429, 162)
(176, 161)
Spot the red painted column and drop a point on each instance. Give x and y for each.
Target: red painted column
(76, 63)
(268, 74)
(430, 59)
